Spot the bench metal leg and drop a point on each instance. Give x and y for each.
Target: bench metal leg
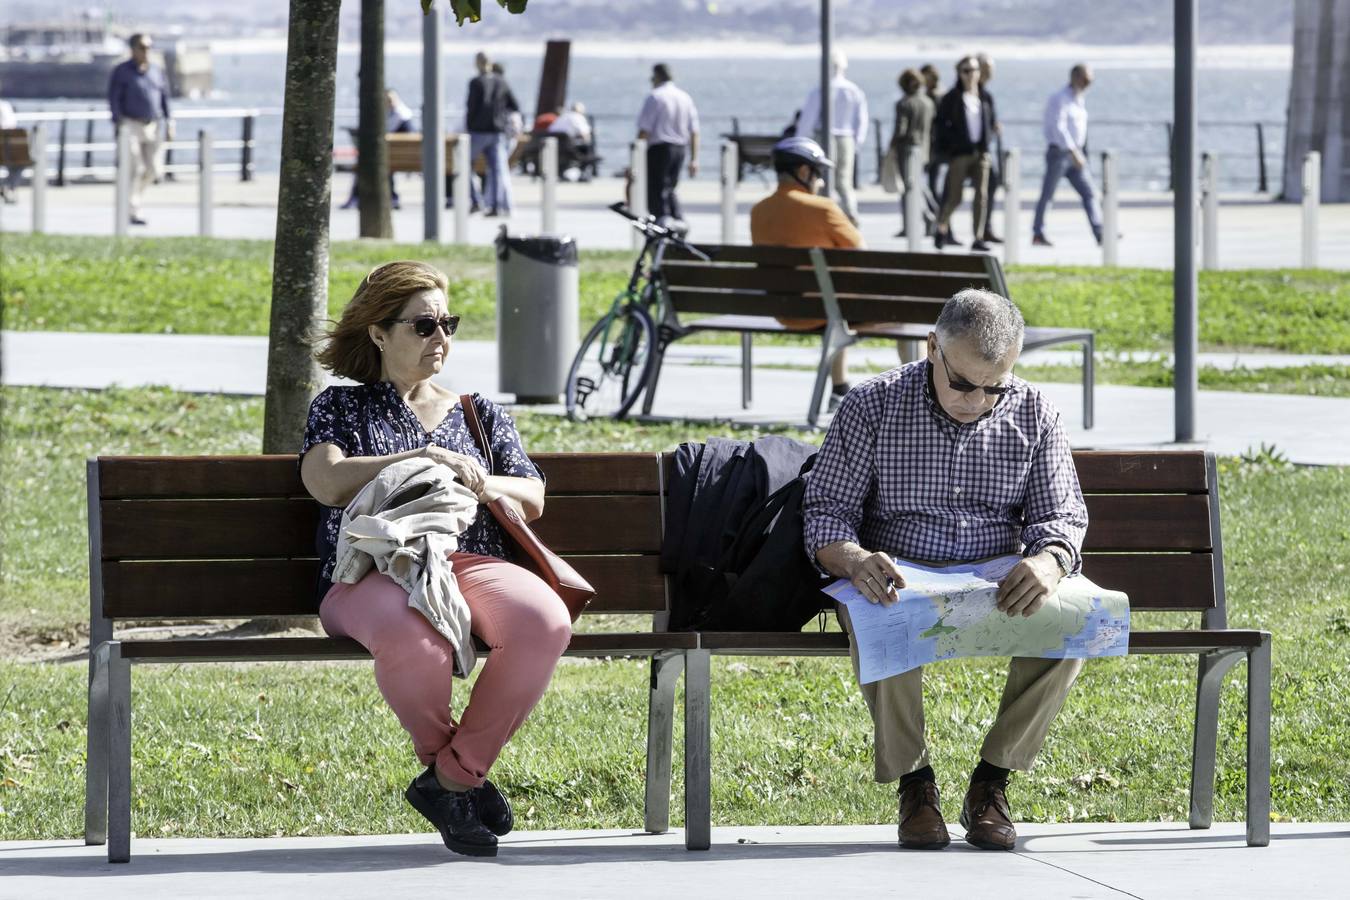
(1213, 668)
(1089, 380)
(697, 755)
(96, 751)
(747, 369)
(119, 755)
(664, 337)
(1258, 745)
(660, 738)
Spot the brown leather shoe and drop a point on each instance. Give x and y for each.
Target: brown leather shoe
(921, 825)
(986, 817)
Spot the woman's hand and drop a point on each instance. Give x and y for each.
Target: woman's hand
(470, 471)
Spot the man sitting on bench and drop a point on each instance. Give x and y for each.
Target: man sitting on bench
(952, 459)
(795, 215)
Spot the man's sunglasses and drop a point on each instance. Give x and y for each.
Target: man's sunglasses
(425, 326)
(965, 387)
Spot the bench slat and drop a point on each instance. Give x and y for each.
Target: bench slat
(639, 643)
(285, 587)
(1153, 472)
(763, 255)
(274, 527)
(854, 309)
(1171, 581)
(279, 476)
(1147, 522)
(803, 281)
(835, 643)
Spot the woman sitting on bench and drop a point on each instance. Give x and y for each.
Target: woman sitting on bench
(393, 338)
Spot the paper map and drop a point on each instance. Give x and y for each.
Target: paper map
(949, 612)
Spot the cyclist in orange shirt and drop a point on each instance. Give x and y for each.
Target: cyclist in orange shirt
(795, 215)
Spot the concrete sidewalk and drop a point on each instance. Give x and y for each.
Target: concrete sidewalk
(1144, 860)
(1254, 232)
(703, 382)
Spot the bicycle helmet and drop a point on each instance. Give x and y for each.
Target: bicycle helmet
(792, 152)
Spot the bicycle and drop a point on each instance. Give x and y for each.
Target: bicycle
(612, 367)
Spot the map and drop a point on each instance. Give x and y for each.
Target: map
(952, 611)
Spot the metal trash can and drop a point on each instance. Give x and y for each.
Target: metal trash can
(536, 315)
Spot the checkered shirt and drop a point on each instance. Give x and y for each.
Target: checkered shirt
(897, 474)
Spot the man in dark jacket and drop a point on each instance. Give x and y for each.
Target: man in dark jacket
(488, 111)
(964, 128)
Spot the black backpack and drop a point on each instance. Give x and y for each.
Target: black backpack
(764, 581)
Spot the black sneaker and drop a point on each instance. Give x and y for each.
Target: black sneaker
(454, 815)
(837, 393)
(493, 809)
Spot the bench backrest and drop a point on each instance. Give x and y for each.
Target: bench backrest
(224, 537)
(14, 149)
(871, 285)
(233, 536)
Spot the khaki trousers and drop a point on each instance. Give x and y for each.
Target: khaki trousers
(1032, 697)
(971, 167)
(145, 144)
(845, 158)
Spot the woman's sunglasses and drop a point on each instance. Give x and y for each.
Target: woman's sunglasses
(425, 326)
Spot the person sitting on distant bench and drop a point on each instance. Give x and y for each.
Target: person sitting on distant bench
(796, 216)
(573, 130)
(399, 118)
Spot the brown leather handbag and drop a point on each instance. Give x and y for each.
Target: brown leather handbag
(557, 572)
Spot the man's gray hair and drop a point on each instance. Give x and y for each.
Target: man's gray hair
(990, 323)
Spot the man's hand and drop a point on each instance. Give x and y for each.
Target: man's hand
(875, 575)
(693, 168)
(1078, 159)
(170, 131)
(1025, 589)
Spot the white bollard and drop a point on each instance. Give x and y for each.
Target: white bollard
(463, 172)
(1012, 205)
(1312, 196)
(1110, 210)
(122, 197)
(730, 169)
(39, 154)
(1209, 206)
(548, 169)
(637, 202)
(205, 186)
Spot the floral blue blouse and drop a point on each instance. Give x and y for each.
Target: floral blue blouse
(372, 420)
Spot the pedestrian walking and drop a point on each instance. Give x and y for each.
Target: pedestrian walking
(847, 132)
(914, 114)
(668, 122)
(1065, 125)
(138, 98)
(487, 119)
(964, 128)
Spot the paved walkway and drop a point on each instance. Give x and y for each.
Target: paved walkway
(1145, 860)
(702, 381)
(1253, 232)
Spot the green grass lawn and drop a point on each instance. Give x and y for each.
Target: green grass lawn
(301, 748)
(194, 286)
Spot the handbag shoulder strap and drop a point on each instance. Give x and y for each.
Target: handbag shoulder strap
(476, 429)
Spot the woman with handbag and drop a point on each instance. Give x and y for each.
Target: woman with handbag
(392, 338)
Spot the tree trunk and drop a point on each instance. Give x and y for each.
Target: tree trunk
(304, 201)
(372, 159)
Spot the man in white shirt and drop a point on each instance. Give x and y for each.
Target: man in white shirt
(12, 173)
(574, 124)
(848, 128)
(668, 123)
(1065, 125)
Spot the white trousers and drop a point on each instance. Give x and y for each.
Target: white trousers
(145, 156)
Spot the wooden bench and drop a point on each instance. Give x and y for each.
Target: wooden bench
(233, 537)
(1154, 533)
(859, 293)
(754, 152)
(173, 538)
(15, 153)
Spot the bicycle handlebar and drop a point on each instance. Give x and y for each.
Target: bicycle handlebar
(647, 225)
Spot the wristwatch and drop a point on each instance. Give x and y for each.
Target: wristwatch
(1062, 558)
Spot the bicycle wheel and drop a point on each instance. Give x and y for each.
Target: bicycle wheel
(610, 368)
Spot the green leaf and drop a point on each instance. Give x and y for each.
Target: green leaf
(472, 10)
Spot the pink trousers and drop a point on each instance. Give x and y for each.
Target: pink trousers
(512, 611)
